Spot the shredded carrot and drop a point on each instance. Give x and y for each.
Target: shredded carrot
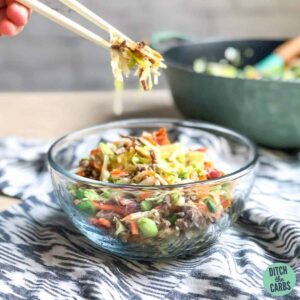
(95, 152)
(202, 177)
(80, 173)
(145, 195)
(118, 173)
(225, 202)
(109, 207)
(101, 222)
(201, 149)
(161, 137)
(134, 228)
(97, 166)
(208, 164)
(104, 223)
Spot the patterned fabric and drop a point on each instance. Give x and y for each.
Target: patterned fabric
(42, 256)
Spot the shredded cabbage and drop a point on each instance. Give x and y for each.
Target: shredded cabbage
(128, 55)
(148, 160)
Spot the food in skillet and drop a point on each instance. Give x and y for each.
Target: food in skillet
(147, 215)
(230, 67)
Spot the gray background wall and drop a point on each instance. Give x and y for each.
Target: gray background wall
(47, 57)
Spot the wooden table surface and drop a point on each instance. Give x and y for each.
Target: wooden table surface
(51, 115)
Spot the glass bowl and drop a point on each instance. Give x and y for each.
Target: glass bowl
(180, 231)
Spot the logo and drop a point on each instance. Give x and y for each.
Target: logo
(279, 279)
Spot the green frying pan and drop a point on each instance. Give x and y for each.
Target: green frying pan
(268, 111)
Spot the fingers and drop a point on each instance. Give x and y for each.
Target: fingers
(7, 28)
(13, 17)
(2, 13)
(17, 13)
(9, 2)
(2, 17)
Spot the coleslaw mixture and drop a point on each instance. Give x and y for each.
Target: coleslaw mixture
(128, 55)
(144, 215)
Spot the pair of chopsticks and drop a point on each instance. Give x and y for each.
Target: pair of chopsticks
(62, 20)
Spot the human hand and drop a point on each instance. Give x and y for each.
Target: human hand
(13, 17)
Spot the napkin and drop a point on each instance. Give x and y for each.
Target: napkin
(43, 256)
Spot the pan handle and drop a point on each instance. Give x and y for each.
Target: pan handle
(163, 40)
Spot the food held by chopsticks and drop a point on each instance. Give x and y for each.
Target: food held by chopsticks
(126, 54)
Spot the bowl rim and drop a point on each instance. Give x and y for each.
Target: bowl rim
(177, 122)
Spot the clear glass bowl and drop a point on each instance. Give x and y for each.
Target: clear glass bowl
(193, 230)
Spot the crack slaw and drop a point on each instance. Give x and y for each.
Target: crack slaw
(150, 215)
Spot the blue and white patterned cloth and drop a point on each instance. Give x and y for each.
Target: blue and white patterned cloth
(42, 256)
